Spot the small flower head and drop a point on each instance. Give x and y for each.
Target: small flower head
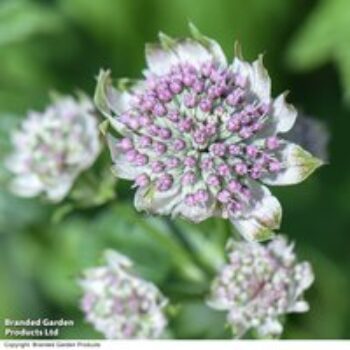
(52, 148)
(260, 284)
(196, 124)
(120, 304)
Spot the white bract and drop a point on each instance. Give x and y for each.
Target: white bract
(53, 147)
(259, 285)
(119, 304)
(200, 137)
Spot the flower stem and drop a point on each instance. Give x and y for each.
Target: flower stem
(182, 259)
(201, 258)
(178, 233)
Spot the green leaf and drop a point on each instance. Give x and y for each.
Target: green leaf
(24, 59)
(61, 212)
(325, 37)
(328, 299)
(106, 20)
(20, 19)
(93, 189)
(78, 241)
(195, 320)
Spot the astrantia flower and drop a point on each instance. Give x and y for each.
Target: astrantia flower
(200, 137)
(119, 304)
(259, 285)
(52, 148)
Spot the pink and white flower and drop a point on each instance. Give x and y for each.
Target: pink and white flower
(119, 304)
(200, 137)
(52, 148)
(259, 285)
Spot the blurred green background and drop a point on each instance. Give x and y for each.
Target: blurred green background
(61, 44)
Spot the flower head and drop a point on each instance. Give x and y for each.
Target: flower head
(52, 148)
(200, 137)
(260, 284)
(119, 304)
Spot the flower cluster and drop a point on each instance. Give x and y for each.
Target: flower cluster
(52, 148)
(119, 304)
(259, 284)
(200, 137)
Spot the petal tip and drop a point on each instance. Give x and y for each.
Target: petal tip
(103, 81)
(194, 30)
(238, 50)
(166, 41)
(264, 235)
(307, 162)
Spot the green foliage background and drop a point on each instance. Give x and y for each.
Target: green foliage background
(61, 44)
